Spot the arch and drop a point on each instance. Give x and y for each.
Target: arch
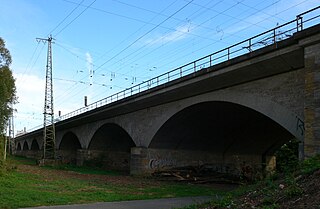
(19, 147)
(25, 146)
(281, 115)
(222, 128)
(35, 145)
(111, 136)
(69, 142)
(68, 147)
(110, 147)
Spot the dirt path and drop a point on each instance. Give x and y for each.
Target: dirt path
(119, 180)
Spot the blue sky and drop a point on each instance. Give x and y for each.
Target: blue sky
(104, 46)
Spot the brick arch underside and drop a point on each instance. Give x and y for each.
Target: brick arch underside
(25, 146)
(223, 128)
(19, 146)
(110, 146)
(35, 145)
(68, 147)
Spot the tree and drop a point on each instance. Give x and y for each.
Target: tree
(7, 92)
(5, 57)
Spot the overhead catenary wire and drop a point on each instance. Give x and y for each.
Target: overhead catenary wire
(236, 4)
(66, 17)
(259, 21)
(66, 26)
(140, 37)
(135, 52)
(30, 61)
(149, 31)
(118, 72)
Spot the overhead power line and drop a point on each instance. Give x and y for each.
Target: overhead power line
(152, 29)
(78, 5)
(87, 7)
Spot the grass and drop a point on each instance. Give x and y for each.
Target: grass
(85, 170)
(28, 190)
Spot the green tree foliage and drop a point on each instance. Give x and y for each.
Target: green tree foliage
(5, 57)
(7, 92)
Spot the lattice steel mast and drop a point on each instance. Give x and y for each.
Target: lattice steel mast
(11, 142)
(48, 123)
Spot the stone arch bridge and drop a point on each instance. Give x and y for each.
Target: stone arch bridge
(233, 114)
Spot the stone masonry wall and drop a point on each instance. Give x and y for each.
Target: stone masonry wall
(147, 161)
(312, 100)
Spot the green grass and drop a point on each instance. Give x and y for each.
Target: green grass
(85, 170)
(19, 160)
(29, 190)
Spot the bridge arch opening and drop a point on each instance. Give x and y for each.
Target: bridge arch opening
(224, 134)
(34, 150)
(19, 147)
(35, 145)
(68, 148)
(25, 146)
(110, 147)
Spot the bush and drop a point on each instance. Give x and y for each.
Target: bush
(310, 165)
(288, 156)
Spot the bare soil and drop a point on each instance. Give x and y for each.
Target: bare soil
(303, 192)
(53, 174)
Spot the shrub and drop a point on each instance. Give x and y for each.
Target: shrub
(288, 156)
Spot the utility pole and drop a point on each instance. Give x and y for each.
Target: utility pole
(9, 138)
(11, 146)
(48, 122)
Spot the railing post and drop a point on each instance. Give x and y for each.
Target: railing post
(250, 45)
(274, 36)
(228, 53)
(299, 23)
(168, 77)
(180, 72)
(210, 61)
(194, 66)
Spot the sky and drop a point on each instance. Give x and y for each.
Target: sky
(102, 47)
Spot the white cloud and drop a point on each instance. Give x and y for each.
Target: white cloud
(180, 33)
(89, 63)
(30, 93)
(30, 89)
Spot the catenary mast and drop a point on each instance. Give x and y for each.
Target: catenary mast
(48, 122)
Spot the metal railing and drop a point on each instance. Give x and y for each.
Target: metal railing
(267, 38)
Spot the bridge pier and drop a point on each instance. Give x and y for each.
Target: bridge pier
(81, 156)
(312, 97)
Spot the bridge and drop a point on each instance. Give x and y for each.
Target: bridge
(231, 109)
